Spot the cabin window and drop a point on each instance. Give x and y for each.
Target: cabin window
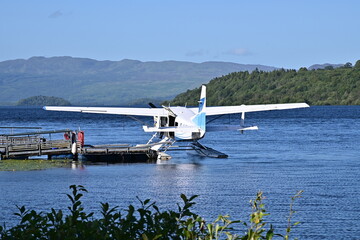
(171, 121)
(163, 121)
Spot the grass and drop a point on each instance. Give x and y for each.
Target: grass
(34, 164)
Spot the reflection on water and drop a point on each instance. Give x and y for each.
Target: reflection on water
(304, 149)
(77, 165)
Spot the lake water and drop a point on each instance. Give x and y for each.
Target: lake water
(316, 150)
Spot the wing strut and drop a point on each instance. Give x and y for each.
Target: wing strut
(137, 120)
(242, 124)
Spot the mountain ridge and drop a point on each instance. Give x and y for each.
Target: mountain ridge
(89, 81)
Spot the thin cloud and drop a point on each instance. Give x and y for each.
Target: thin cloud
(197, 53)
(56, 14)
(238, 52)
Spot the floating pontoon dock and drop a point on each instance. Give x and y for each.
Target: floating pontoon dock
(118, 153)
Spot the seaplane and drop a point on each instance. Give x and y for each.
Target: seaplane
(179, 124)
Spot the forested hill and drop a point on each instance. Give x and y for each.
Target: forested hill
(340, 86)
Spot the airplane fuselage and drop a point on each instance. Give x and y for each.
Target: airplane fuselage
(181, 124)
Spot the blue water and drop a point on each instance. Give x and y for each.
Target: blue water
(315, 150)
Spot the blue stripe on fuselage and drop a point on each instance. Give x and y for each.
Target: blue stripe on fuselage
(200, 120)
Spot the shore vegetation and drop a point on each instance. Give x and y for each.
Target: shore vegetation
(144, 222)
(32, 164)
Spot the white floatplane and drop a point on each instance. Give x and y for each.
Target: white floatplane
(182, 123)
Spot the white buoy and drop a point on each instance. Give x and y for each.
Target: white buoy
(73, 148)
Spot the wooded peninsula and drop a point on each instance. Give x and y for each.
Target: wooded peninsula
(329, 86)
(42, 101)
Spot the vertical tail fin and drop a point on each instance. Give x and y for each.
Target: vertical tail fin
(202, 101)
(200, 118)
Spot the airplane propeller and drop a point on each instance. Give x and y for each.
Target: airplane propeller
(152, 105)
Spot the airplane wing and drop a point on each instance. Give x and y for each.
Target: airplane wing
(251, 108)
(113, 110)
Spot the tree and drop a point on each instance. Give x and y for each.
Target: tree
(357, 64)
(329, 68)
(348, 65)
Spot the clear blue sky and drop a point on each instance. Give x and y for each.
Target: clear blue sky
(288, 34)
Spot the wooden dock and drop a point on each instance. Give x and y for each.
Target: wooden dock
(25, 145)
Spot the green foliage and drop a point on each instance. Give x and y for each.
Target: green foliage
(145, 222)
(357, 64)
(42, 101)
(339, 86)
(257, 224)
(292, 212)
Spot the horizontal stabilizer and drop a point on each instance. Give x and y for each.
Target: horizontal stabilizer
(229, 128)
(219, 128)
(170, 129)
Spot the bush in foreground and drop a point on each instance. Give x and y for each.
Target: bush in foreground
(146, 222)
